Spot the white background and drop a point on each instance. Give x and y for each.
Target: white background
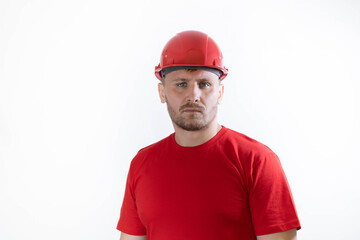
(78, 99)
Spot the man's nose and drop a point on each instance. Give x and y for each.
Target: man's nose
(194, 93)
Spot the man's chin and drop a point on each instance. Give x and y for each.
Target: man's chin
(192, 127)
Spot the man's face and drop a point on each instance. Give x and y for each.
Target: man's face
(192, 98)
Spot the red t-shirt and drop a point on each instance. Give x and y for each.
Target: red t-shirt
(232, 187)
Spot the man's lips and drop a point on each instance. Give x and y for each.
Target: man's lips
(192, 110)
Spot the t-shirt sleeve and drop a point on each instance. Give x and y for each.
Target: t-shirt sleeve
(129, 221)
(270, 198)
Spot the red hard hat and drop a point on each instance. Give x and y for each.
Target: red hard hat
(191, 48)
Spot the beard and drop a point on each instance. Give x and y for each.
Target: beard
(193, 121)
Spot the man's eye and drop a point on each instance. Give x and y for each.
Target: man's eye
(204, 84)
(183, 84)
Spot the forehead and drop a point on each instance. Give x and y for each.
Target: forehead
(195, 75)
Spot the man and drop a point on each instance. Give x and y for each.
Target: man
(204, 181)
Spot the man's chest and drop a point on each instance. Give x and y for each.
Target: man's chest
(209, 191)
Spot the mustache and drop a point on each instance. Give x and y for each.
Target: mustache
(191, 105)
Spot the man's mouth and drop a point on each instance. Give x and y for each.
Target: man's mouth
(192, 110)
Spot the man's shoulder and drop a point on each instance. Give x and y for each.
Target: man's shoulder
(242, 142)
(154, 147)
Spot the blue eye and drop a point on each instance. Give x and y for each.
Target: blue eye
(182, 84)
(204, 84)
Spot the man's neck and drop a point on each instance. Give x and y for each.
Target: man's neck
(194, 138)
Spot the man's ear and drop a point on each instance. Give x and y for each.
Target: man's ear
(221, 93)
(161, 92)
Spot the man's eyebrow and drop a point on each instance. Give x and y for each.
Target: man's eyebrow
(180, 79)
(185, 79)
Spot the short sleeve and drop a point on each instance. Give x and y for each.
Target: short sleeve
(270, 198)
(129, 221)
